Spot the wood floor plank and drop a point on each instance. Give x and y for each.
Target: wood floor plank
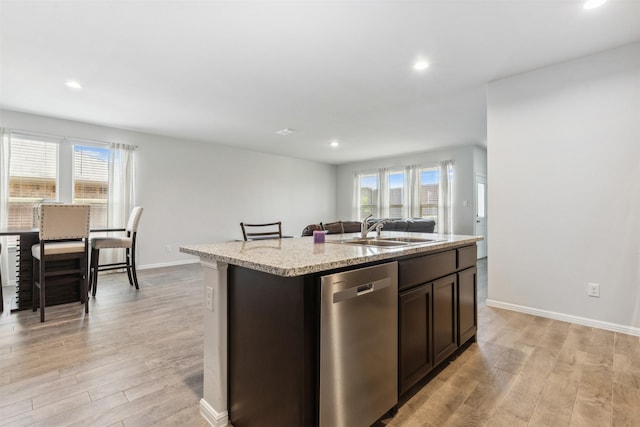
(136, 360)
(44, 413)
(83, 412)
(523, 396)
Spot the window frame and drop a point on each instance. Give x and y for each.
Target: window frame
(22, 198)
(403, 193)
(413, 201)
(373, 207)
(422, 204)
(89, 144)
(65, 165)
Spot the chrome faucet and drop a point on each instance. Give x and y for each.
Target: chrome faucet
(364, 229)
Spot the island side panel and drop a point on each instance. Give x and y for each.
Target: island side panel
(213, 405)
(272, 349)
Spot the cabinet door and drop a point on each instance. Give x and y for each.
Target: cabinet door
(445, 331)
(416, 354)
(467, 305)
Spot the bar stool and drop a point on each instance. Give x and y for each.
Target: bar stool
(272, 230)
(64, 236)
(128, 243)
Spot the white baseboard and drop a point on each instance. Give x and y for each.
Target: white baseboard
(212, 416)
(614, 327)
(167, 264)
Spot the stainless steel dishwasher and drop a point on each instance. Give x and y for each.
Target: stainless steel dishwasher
(358, 345)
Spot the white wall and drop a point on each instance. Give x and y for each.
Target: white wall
(195, 192)
(564, 193)
(464, 159)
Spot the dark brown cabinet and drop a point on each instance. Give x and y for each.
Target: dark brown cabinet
(467, 304)
(274, 333)
(415, 324)
(436, 315)
(445, 332)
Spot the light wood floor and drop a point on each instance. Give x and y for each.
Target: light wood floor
(136, 360)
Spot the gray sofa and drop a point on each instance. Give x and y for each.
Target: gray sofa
(410, 225)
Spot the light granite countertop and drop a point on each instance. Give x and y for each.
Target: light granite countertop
(299, 256)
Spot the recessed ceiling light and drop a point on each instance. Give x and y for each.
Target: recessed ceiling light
(592, 4)
(421, 65)
(285, 131)
(73, 84)
(334, 144)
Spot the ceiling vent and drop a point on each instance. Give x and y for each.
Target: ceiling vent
(285, 131)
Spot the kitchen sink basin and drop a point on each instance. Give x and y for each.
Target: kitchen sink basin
(387, 242)
(409, 239)
(371, 242)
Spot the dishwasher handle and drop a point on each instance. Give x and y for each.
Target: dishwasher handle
(360, 290)
(365, 289)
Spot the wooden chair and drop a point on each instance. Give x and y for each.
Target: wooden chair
(128, 243)
(64, 236)
(269, 231)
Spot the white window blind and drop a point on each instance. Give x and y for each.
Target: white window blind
(429, 192)
(397, 194)
(91, 181)
(32, 176)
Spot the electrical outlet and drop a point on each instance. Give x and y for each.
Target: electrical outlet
(593, 290)
(168, 248)
(209, 298)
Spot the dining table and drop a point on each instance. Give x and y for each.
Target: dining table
(67, 291)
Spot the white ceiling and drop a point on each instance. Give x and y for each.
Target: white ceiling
(236, 72)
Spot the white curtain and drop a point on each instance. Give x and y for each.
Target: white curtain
(445, 214)
(355, 208)
(412, 186)
(5, 153)
(383, 193)
(121, 192)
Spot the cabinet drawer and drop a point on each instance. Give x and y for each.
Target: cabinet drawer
(420, 270)
(467, 257)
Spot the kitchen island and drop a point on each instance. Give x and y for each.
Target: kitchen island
(262, 318)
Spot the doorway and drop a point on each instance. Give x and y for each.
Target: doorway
(480, 226)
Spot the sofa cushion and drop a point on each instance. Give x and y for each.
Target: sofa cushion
(342, 227)
(409, 225)
(420, 225)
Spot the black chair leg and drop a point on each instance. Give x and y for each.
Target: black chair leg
(133, 267)
(127, 262)
(42, 289)
(85, 285)
(90, 274)
(93, 271)
(33, 286)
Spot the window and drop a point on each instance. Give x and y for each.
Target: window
(368, 186)
(381, 193)
(429, 192)
(414, 191)
(91, 181)
(43, 168)
(32, 177)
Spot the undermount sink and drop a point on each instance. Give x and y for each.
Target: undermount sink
(409, 239)
(385, 241)
(372, 242)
